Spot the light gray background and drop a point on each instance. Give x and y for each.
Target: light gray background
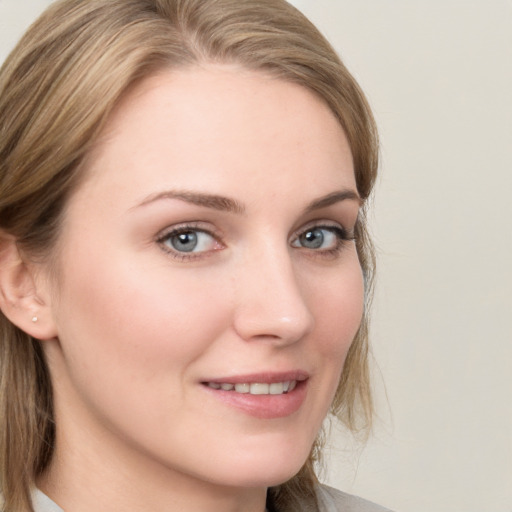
(438, 74)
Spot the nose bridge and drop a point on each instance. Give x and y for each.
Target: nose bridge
(271, 303)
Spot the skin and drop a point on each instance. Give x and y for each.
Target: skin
(140, 326)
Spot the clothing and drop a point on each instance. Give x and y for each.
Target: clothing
(330, 500)
(42, 503)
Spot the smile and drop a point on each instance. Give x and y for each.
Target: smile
(256, 388)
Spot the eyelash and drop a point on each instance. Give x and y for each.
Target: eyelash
(342, 235)
(184, 229)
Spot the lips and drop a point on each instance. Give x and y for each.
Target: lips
(266, 396)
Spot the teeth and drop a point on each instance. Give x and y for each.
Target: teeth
(242, 388)
(259, 389)
(256, 388)
(276, 388)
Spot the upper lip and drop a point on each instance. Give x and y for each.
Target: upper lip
(263, 377)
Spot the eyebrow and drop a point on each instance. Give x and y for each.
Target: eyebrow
(333, 198)
(227, 204)
(200, 199)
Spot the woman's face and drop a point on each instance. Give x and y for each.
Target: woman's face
(208, 287)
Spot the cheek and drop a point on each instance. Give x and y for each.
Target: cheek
(145, 316)
(339, 313)
(339, 310)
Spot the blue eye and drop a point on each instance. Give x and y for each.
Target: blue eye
(188, 240)
(321, 237)
(314, 238)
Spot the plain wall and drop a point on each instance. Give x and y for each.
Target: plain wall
(438, 74)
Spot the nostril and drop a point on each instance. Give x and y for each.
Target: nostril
(260, 324)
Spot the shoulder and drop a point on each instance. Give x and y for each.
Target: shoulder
(332, 500)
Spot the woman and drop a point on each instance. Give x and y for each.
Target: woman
(184, 260)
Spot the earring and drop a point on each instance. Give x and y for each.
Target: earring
(34, 319)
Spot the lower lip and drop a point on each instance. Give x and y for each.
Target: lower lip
(263, 406)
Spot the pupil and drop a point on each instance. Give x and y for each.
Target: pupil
(313, 239)
(185, 242)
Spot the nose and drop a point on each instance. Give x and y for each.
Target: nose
(270, 301)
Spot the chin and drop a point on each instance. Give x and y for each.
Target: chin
(268, 468)
(270, 477)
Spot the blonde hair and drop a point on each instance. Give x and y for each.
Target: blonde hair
(57, 89)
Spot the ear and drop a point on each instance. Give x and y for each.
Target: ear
(20, 300)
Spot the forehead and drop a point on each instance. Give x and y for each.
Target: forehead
(205, 126)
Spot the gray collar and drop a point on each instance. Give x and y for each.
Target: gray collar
(42, 503)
